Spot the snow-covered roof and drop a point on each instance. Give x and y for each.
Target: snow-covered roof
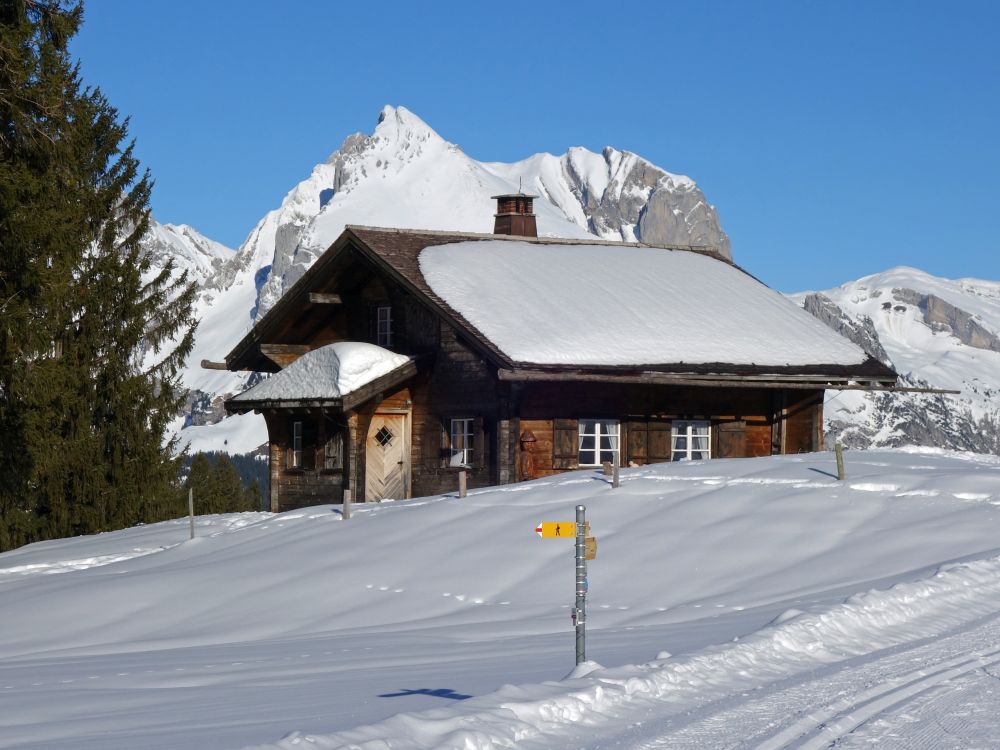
(330, 372)
(619, 305)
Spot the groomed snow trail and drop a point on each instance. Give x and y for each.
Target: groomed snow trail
(938, 694)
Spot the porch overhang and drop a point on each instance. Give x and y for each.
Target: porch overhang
(346, 403)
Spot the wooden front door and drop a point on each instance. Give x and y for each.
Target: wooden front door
(387, 458)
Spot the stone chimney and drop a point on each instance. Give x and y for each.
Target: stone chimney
(515, 215)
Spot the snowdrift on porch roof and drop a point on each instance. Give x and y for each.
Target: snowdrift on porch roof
(332, 371)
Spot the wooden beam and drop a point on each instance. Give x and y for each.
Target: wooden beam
(268, 349)
(719, 381)
(319, 298)
(283, 354)
(209, 365)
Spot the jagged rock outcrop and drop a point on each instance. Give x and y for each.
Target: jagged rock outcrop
(860, 331)
(942, 316)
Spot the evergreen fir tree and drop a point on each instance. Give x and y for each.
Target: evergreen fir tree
(201, 483)
(91, 340)
(252, 497)
(230, 495)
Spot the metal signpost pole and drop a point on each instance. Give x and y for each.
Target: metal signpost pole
(581, 585)
(191, 509)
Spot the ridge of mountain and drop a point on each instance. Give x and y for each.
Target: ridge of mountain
(938, 333)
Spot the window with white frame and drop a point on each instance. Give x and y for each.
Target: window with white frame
(598, 441)
(383, 325)
(296, 457)
(462, 442)
(690, 440)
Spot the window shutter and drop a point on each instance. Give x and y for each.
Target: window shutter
(731, 439)
(658, 440)
(478, 444)
(634, 443)
(435, 444)
(565, 444)
(309, 444)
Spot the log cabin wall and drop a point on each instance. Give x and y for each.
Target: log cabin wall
(317, 477)
(742, 420)
(803, 421)
(457, 384)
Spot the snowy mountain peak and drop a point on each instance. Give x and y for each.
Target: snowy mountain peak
(400, 124)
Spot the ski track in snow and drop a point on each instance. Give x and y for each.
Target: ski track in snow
(901, 703)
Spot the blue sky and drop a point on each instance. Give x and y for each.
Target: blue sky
(835, 139)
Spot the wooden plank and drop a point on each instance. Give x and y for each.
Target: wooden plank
(209, 365)
(283, 354)
(321, 298)
(268, 349)
(720, 381)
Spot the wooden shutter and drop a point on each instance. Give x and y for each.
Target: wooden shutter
(435, 443)
(478, 444)
(310, 445)
(635, 443)
(731, 439)
(565, 444)
(658, 440)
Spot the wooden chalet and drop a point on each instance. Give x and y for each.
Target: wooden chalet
(480, 354)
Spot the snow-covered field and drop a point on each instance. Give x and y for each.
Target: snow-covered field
(733, 603)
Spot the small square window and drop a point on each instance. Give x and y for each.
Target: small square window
(598, 442)
(690, 440)
(462, 444)
(296, 445)
(383, 326)
(384, 436)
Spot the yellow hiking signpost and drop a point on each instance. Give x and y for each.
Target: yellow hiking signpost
(559, 529)
(586, 549)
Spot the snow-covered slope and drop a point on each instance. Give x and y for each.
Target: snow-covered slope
(936, 332)
(297, 628)
(405, 175)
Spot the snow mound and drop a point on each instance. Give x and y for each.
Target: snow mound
(331, 371)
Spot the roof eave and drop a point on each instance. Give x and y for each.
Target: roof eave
(871, 374)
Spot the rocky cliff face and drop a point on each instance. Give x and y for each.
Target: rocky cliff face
(937, 333)
(860, 330)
